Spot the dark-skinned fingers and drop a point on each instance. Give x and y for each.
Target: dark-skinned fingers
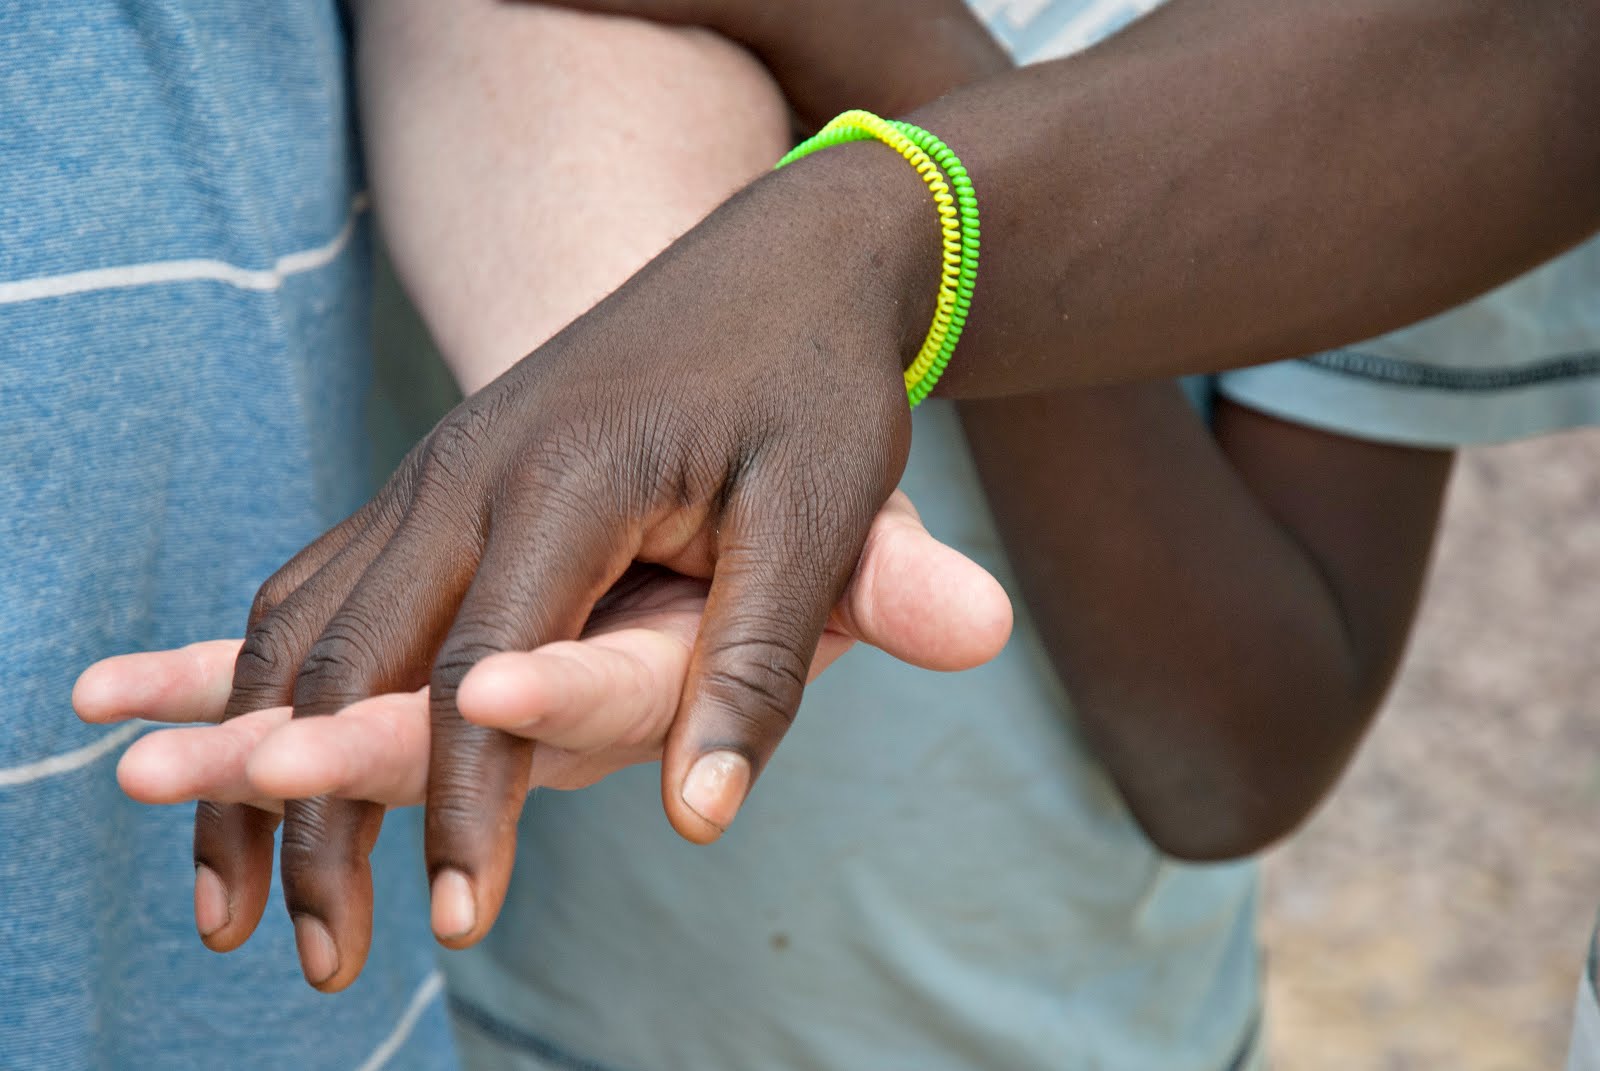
(543, 569)
(232, 871)
(363, 533)
(327, 885)
(779, 572)
(381, 640)
(233, 842)
(310, 559)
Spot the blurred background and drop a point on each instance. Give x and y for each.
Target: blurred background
(1437, 912)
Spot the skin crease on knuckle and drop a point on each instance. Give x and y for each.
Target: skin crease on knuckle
(341, 667)
(270, 596)
(326, 840)
(469, 644)
(759, 669)
(306, 838)
(262, 671)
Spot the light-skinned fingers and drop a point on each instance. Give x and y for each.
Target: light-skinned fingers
(205, 762)
(188, 684)
(618, 689)
(376, 750)
(921, 601)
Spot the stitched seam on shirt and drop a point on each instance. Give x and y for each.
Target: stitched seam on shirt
(517, 1038)
(1400, 373)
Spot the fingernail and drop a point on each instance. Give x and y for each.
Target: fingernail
(210, 901)
(319, 957)
(455, 912)
(716, 786)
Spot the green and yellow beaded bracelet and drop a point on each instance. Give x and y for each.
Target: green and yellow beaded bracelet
(957, 206)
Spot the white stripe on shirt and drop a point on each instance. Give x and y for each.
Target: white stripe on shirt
(426, 993)
(158, 272)
(69, 761)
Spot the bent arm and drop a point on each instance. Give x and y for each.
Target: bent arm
(1226, 611)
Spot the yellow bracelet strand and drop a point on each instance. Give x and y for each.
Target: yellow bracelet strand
(940, 169)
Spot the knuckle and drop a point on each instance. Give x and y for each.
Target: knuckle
(402, 483)
(578, 467)
(386, 513)
(466, 647)
(340, 664)
(207, 820)
(264, 668)
(759, 680)
(325, 833)
(474, 793)
(461, 437)
(613, 450)
(452, 814)
(305, 838)
(269, 596)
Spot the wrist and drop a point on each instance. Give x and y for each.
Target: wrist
(877, 232)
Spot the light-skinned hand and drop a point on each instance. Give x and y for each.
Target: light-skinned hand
(591, 706)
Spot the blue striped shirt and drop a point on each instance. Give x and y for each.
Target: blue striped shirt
(183, 362)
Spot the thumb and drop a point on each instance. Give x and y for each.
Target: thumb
(921, 601)
(780, 569)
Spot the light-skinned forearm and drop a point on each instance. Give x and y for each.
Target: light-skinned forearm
(525, 161)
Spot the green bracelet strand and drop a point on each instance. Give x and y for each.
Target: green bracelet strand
(957, 204)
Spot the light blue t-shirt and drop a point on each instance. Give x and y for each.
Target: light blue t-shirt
(935, 873)
(183, 358)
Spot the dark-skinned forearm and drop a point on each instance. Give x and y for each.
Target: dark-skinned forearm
(1227, 182)
(1225, 646)
(1234, 181)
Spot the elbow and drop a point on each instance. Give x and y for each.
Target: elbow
(1235, 795)
(1223, 831)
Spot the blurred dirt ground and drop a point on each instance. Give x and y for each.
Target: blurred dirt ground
(1436, 913)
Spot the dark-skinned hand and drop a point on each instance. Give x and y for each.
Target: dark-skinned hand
(731, 414)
